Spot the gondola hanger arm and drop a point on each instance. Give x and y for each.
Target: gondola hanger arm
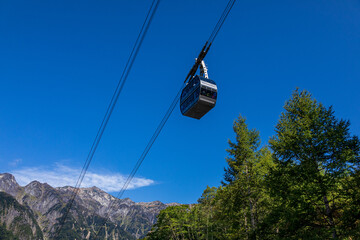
(198, 61)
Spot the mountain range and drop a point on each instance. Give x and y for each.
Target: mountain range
(35, 211)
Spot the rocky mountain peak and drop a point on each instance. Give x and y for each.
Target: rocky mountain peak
(35, 184)
(148, 204)
(128, 201)
(38, 189)
(8, 184)
(173, 204)
(7, 176)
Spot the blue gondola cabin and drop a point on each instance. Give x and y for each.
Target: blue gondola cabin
(198, 97)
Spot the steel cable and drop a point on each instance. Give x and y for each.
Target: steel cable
(168, 113)
(110, 108)
(143, 155)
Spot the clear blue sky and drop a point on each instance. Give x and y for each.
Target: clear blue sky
(61, 60)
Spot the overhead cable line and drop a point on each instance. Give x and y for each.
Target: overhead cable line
(119, 87)
(191, 73)
(142, 157)
(210, 40)
(221, 21)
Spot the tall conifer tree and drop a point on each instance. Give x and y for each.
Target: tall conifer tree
(314, 152)
(242, 152)
(243, 199)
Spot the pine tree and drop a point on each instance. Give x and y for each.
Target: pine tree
(314, 153)
(242, 151)
(242, 200)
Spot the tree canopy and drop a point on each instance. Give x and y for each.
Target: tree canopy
(304, 185)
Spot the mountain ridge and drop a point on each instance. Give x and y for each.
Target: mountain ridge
(126, 218)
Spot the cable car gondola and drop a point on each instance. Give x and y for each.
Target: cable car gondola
(199, 95)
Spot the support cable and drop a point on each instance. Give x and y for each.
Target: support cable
(143, 155)
(211, 39)
(192, 72)
(221, 21)
(119, 87)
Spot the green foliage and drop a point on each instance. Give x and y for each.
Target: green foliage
(208, 195)
(308, 187)
(184, 222)
(314, 154)
(244, 150)
(242, 202)
(233, 210)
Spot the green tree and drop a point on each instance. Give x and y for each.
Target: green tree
(233, 210)
(208, 195)
(242, 151)
(349, 222)
(314, 154)
(181, 222)
(242, 202)
(171, 223)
